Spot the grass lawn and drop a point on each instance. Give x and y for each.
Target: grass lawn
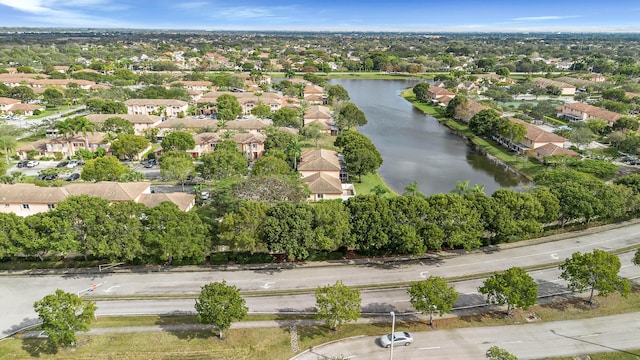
(370, 181)
(274, 343)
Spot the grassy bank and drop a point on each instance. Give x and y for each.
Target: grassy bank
(274, 343)
(526, 166)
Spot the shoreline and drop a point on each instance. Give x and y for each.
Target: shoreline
(462, 131)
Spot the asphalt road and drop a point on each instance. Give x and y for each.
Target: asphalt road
(18, 309)
(530, 341)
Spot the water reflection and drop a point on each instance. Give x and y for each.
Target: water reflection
(416, 147)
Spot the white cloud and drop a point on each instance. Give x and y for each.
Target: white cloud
(252, 12)
(544, 18)
(191, 5)
(56, 13)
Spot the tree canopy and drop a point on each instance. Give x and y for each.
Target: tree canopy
(337, 304)
(220, 304)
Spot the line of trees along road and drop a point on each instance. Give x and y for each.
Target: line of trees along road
(369, 224)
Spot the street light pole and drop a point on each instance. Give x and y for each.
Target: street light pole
(393, 330)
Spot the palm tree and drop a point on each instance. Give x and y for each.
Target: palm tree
(82, 125)
(7, 143)
(64, 128)
(294, 149)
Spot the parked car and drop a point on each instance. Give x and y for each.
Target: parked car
(22, 163)
(150, 163)
(72, 164)
(51, 177)
(62, 164)
(32, 163)
(400, 338)
(74, 176)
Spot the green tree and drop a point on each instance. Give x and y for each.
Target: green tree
(432, 295)
(626, 123)
(22, 93)
(271, 190)
(337, 304)
(636, 257)
(270, 166)
(261, 111)
(370, 220)
(313, 131)
(421, 91)
(597, 270)
(53, 235)
(173, 234)
(220, 304)
(496, 353)
(287, 117)
(227, 107)
(287, 230)
(124, 232)
(106, 168)
(331, 225)
(293, 151)
(360, 154)
(524, 212)
(88, 219)
(224, 162)
(337, 93)
(128, 146)
(53, 97)
(456, 223)
(487, 122)
(62, 315)
(117, 125)
(348, 115)
(178, 140)
(13, 233)
(176, 168)
(239, 229)
(513, 287)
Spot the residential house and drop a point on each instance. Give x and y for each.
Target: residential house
(440, 95)
(468, 86)
(321, 170)
(29, 199)
(464, 112)
(565, 89)
(140, 122)
(251, 144)
(166, 107)
(583, 112)
(7, 103)
(194, 85)
(66, 146)
(205, 143)
(247, 100)
(249, 125)
(186, 124)
(534, 138)
(314, 94)
(551, 149)
(321, 115)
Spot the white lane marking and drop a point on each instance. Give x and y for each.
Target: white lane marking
(397, 301)
(423, 274)
(590, 335)
(111, 288)
(430, 348)
(556, 280)
(267, 284)
(554, 256)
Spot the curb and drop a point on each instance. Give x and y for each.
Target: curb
(325, 344)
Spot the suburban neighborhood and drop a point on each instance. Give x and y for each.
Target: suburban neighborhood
(181, 187)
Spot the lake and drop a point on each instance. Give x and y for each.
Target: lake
(416, 147)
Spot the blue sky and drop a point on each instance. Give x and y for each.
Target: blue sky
(329, 15)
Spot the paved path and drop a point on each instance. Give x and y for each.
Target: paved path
(618, 333)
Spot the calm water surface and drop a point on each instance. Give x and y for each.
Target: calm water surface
(416, 147)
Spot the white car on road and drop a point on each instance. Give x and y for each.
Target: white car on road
(399, 338)
(32, 163)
